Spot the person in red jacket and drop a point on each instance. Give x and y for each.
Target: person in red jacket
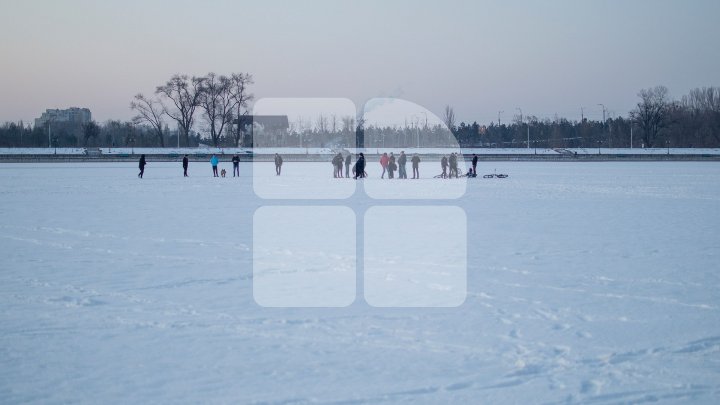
(384, 160)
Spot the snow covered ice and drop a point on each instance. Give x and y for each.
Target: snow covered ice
(586, 282)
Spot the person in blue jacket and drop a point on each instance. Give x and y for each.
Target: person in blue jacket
(214, 163)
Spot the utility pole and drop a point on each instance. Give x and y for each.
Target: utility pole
(582, 115)
(631, 135)
(603, 123)
(499, 112)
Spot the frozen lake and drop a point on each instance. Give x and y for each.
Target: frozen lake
(585, 282)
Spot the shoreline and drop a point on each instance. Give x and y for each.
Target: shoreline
(63, 158)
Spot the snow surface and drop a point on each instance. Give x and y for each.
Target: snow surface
(586, 282)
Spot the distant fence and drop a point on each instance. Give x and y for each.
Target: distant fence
(38, 155)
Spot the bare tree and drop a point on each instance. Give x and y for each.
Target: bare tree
(149, 111)
(333, 123)
(449, 118)
(217, 103)
(90, 130)
(239, 83)
(703, 99)
(322, 124)
(184, 93)
(651, 112)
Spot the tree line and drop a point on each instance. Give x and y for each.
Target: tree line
(656, 121)
(218, 100)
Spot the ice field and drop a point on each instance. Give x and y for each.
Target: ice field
(585, 282)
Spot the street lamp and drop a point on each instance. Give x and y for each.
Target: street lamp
(528, 135)
(528, 126)
(603, 121)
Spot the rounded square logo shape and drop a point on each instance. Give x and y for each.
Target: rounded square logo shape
(415, 256)
(295, 141)
(304, 256)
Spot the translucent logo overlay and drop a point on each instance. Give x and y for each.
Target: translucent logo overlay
(356, 205)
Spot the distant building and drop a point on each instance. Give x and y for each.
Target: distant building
(263, 130)
(267, 122)
(71, 115)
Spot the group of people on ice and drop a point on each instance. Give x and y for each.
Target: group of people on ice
(338, 161)
(389, 165)
(214, 162)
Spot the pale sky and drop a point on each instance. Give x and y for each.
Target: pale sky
(546, 57)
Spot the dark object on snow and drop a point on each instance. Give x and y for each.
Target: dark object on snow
(236, 165)
(141, 165)
(278, 164)
(492, 175)
(416, 166)
(360, 167)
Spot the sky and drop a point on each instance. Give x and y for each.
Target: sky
(547, 58)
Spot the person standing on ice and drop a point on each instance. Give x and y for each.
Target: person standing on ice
(348, 160)
(444, 165)
(416, 166)
(391, 166)
(278, 164)
(384, 159)
(360, 166)
(474, 163)
(337, 163)
(453, 165)
(340, 165)
(214, 162)
(402, 160)
(185, 165)
(141, 165)
(236, 165)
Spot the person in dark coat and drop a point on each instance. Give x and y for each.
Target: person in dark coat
(474, 163)
(348, 160)
(416, 166)
(453, 165)
(402, 160)
(236, 165)
(141, 165)
(444, 165)
(185, 165)
(391, 166)
(360, 167)
(278, 164)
